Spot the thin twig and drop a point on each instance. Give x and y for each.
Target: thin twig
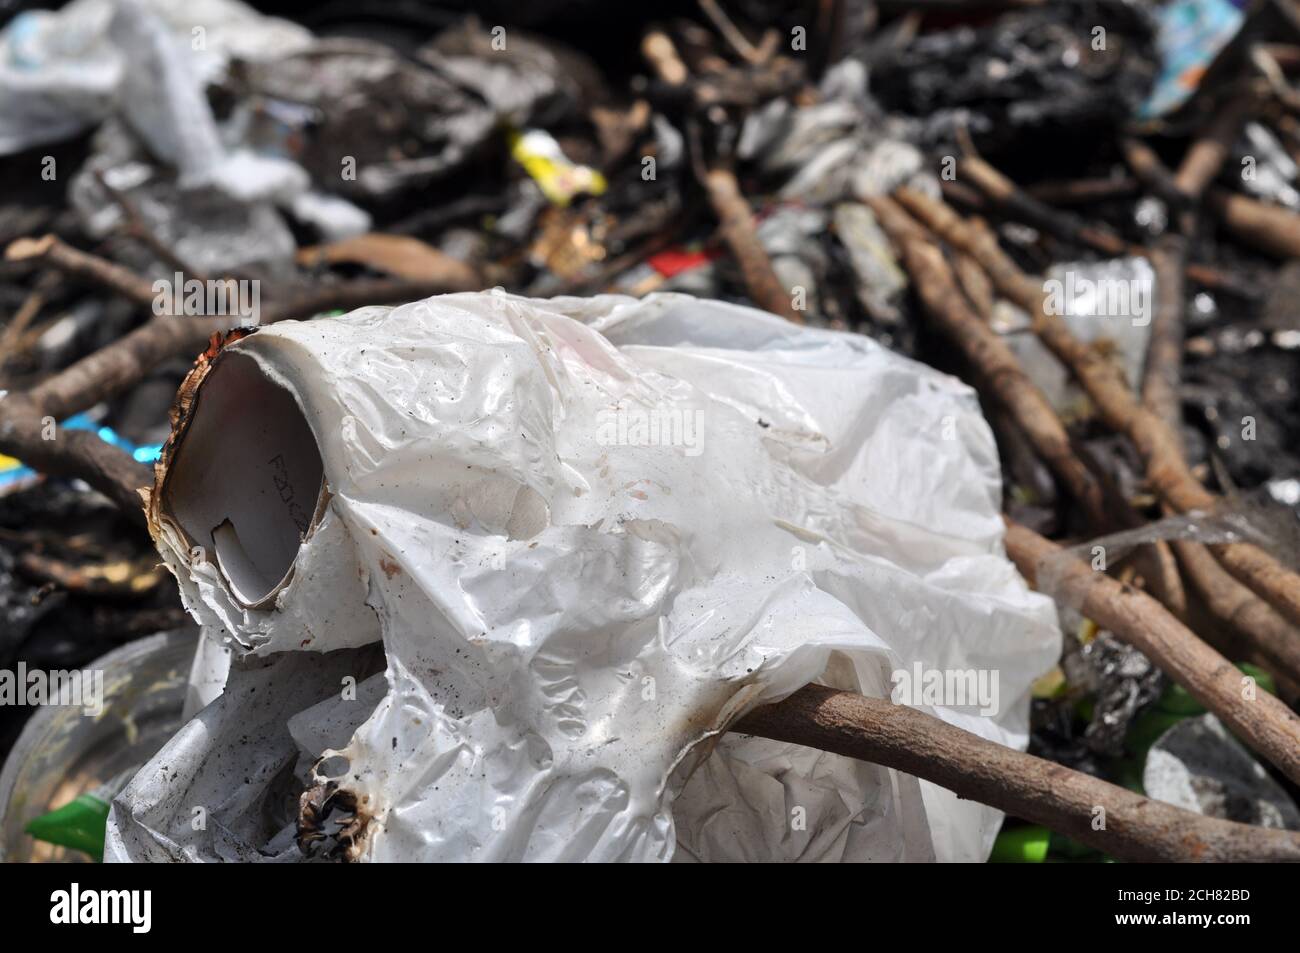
(1008, 197)
(1154, 174)
(1020, 205)
(1082, 191)
(25, 418)
(27, 313)
(75, 263)
(731, 33)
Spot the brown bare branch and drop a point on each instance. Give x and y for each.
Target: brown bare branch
(78, 264)
(72, 453)
(1276, 642)
(1207, 154)
(992, 360)
(1104, 383)
(1008, 196)
(116, 367)
(1136, 828)
(1269, 228)
(1258, 719)
(737, 225)
(1160, 384)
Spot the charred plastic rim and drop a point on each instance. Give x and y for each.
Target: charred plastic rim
(241, 477)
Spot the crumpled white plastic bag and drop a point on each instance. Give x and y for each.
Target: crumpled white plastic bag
(572, 611)
(64, 71)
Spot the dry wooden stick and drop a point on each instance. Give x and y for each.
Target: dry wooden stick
(1164, 370)
(735, 218)
(1005, 194)
(120, 364)
(27, 313)
(1153, 174)
(51, 251)
(1258, 718)
(1158, 446)
(1269, 638)
(1211, 149)
(996, 365)
(660, 51)
(976, 284)
(747, 51)
(1020, 205)
(1186, 206)
(1164, 581)
(76, 454)
(737, 225)
(1003, 377)
(1136, 828)
(1275, 641)
(1258, 626)
(1082, 191)
(1163, 375)
(1270, 228)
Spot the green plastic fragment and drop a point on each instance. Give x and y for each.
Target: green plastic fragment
(1176, 700)
(1021, 845)
(1175, 704)
(1262, 678)
(79, 824)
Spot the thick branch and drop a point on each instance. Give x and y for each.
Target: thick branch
(1258, 718)
(1270, 228)
(1136, 828)
(1002, 376)
(737, 224)
(1276, 641)
(72, 453)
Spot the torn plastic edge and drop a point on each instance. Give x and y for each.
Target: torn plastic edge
(182, 415)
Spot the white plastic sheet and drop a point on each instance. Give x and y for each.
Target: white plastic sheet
(63, 71)
(572, 603)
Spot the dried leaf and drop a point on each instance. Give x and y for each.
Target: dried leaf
(398, 255)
